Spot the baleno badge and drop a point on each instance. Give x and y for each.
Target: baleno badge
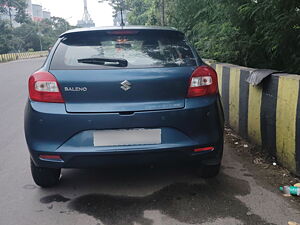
(76, 89)
(125, 85)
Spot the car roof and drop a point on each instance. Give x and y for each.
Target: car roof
(79, 30)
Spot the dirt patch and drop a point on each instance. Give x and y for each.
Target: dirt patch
(266, 167)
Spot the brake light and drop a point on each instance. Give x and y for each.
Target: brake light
(43, 87)
(203, 81)
(122, 32)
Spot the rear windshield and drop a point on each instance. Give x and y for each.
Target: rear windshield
(123, 49)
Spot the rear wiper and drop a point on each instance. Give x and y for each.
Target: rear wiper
(105, 61)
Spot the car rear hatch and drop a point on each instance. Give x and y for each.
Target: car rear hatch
(155, 76)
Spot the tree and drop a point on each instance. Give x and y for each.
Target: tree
(117, 5)
(25, 37)
(255, 33)
(5, 36)
(7, 6)
(275, 26)
(143, 12)
(31, 35)
(60, 25)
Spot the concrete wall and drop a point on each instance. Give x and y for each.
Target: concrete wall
(267, 114)
(22, 55)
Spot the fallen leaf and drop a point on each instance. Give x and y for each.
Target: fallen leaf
(293, 223)
(257, 161)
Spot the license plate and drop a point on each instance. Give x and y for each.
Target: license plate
(127, 137)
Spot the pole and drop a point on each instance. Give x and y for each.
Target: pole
(85, 4)
(10, 16)
(39, 35)
(163, 12)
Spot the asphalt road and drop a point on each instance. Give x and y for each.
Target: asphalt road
(127, 196)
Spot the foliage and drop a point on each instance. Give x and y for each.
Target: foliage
(5, 36)
(31, 35)
(7, 6)
(141, 12)
(254, 33)
(116, 5)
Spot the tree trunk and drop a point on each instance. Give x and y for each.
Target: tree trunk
(10, 16)
(163, 12)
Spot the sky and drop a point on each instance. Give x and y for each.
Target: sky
(72, 10)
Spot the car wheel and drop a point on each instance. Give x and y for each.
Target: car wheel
(209, 171)
(44, 177)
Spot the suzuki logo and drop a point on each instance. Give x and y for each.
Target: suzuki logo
(125, 85)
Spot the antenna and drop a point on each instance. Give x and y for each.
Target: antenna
(86, 20)
(122, 19)
(122, 24)
(86, 16)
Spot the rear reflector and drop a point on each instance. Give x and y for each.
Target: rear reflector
(43, 87)
(204, 149)
(51, 157)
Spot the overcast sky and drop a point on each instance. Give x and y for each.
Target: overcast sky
(72, 10)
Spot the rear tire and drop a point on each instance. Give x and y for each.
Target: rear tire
(209, 171)
(44, 177)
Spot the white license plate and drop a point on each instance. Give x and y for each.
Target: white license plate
(127, 137)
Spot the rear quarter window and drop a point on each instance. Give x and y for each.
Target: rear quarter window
(140, 49)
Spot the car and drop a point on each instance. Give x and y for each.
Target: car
(115, 96)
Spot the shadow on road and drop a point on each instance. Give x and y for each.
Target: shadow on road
(179, 195)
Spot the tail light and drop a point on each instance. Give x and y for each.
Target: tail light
(203, 81)
(43, 87)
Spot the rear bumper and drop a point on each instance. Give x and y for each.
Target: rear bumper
(166, 157)
(50, 130)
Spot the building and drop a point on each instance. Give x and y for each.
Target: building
(37, 12)
(29, 8)
(34, 11)
(46, 15)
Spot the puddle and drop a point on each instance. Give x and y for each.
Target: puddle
(248, 175)
(187, 203)
(228, 167)
(53, 198)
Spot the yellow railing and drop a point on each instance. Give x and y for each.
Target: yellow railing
(22, 55)
(267, 114)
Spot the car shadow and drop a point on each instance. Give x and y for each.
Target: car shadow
(118, 196)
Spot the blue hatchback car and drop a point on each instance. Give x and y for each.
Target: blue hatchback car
(123, 95)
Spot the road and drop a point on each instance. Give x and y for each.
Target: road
(128, 196)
